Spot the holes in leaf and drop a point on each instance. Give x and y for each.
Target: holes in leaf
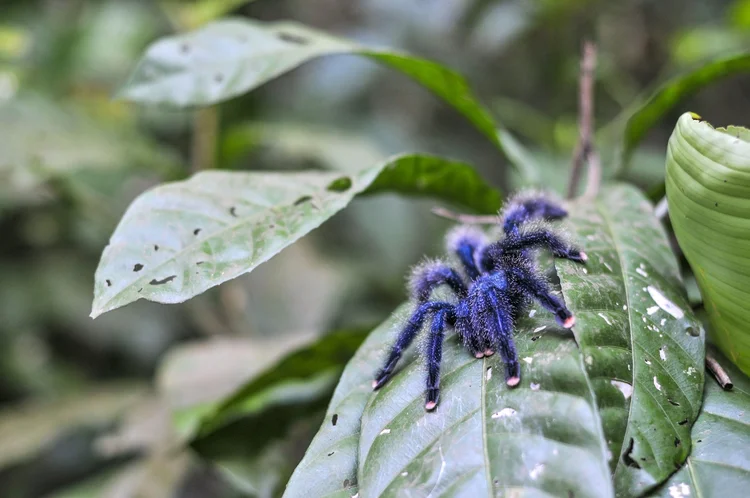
(163, 280)
(331, 453)
(137, 267)
(673, 402)
(302, 200)
(233, 211)
(536, 338)
(677, 442)
(627, 459)
(292, 38)
(200, 263)
(334, 419)
(682, 422)
(196, 231)
(340, 184)
(109, 283)
(156, 247)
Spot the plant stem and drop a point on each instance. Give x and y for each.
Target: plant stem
(205, 136)
(718, 372)
(467, 219)
(585, 152)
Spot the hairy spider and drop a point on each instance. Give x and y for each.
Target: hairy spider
(499, 281)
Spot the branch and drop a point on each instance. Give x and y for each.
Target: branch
(718, 372)
(466, 219)
(585, 152)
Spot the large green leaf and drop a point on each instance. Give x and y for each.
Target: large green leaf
(230, 57)
(708, 189)
(719, 465)
(645, 115)
(543, 437)
(643, 347)
(182, 238)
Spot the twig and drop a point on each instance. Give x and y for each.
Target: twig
(467, 219)
(205, 137)
(585, 152)
(718, 372)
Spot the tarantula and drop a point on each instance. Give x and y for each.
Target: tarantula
(498, 283)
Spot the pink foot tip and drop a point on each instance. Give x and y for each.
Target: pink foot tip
(489, 352)
(584, 256)
(374, 384)
(430, 405)
(478, 355)
(569, 322)
(513, 381)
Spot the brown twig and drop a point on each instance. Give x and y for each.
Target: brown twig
(718, 372)
(467, 219)
(585, 152)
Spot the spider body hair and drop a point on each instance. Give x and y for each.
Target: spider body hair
(498, 283)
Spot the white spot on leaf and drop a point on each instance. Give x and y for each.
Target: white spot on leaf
(662, 354)
(385, 431)
(528, 360)
(604, 317)
(536, 471)
(489, 373)
(679, 490)
(505, 412)
(641, 272)
(532, 313)
(656, 383)
(534, 386)
(652, 310)
(664, 303)
(539, 329)
(625, 388)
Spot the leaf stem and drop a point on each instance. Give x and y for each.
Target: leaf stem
(718, 372)
(467, 219)
(585, 151)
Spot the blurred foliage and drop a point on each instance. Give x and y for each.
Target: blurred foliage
(72, 159)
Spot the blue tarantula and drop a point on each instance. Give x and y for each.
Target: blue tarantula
(499, 281)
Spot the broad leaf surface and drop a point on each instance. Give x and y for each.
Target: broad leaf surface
(667, 96)
(642, 346)
(708, 189)
(180, 239)
(230, 57)
(543, 437)
(719, 465)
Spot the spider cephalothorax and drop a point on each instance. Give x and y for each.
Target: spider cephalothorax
(498, 282)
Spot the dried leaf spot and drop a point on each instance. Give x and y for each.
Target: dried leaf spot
(677, 442)
(293, 38)
(346, 483)
(196, 231)
(682, 422)
(626, 457)
(340, 184)
(200, 263)
(109, 283)
(303, 199)
(334, 419)
(331, 453)
(163, 280)
(156, 247)
(137, 267)
(233, 211)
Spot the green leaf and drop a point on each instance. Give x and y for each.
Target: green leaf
(329, 467)
(180, 239)
(708, 190)
(641, 119)
(544, 436)
(719, 464)
(227, 58)
(642, 345)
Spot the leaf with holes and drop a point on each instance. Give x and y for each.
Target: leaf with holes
(642, 346)
(708, 189)
(719, 464)
(227, 58)
(182, 238)
(544, 436)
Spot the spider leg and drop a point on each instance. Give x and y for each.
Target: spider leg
(434, 355)
(493, 310)
(431, 275)
(540, 237)
(466, 242)
(539, 289)
(405, 338)
(471, 340)
(526, 207)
